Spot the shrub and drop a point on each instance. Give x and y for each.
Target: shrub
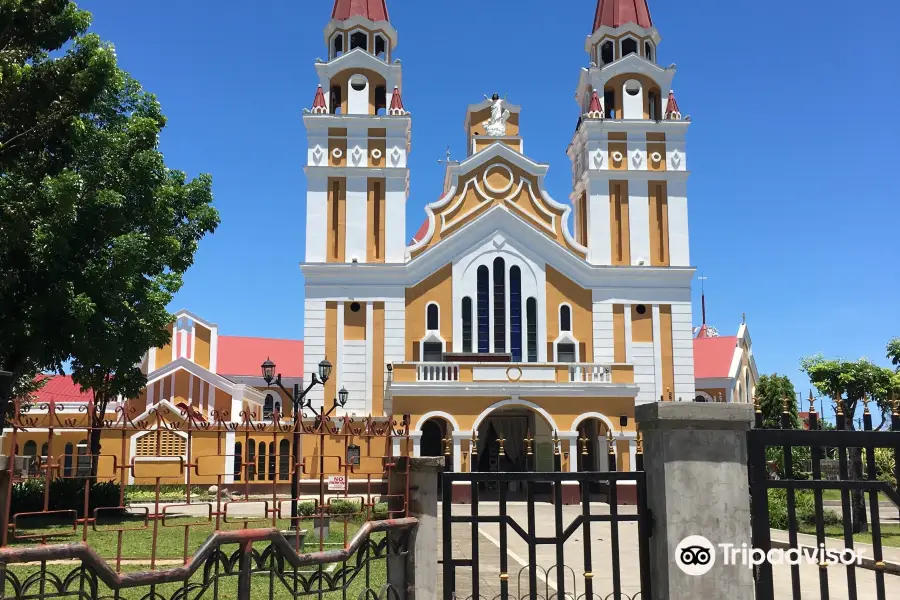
(65, 494)
(345, 507)
(804, 509)
(306, 509)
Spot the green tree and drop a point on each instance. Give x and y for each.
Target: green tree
(847, 383)
(893, 352)
(771, 393)
(96, 232)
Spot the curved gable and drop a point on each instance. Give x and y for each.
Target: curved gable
(497, 176)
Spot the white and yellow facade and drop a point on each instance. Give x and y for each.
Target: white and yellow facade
(508, 304)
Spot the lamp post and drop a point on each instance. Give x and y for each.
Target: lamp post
(299, 401)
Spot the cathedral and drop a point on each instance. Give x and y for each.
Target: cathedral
(515, 331)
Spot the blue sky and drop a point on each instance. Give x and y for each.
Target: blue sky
(793, 197)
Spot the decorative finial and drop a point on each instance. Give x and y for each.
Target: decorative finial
(529, 443)
(474, 443)
(584, 443)
(895, 405)
(447, 445)
(743, 318)
(786, 403)
(501, 440)
(610, 443)
(640, 442)
(812, 403)
(866, 401)
(756, 404)
(839, 406)
(555, 440)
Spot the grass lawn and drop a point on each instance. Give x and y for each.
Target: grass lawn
(260, 586)
(170, 540)
(890, 534)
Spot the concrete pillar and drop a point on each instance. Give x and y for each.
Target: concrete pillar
(695, 456)
(416, 574)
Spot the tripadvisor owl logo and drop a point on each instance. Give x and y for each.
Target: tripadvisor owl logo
(695, 555)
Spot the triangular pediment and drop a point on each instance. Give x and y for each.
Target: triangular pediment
(497, 177)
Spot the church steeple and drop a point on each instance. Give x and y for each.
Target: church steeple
(373, 10)
(615, 13)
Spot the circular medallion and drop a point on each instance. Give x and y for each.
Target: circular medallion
(337, 153)
(514, 373)
(498, 171)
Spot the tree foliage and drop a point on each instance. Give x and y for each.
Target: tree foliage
(96, 232)
(893, 352)
(771, 392)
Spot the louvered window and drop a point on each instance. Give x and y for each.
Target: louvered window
(169, 444)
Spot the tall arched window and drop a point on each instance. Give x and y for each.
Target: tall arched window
(499, 306)
(629, 46)
(284, 460)
(261, 462)
(432, 317)
(272, 459)
(648, 50)
(337, 46)
(251, 460)
(484, 317)
(565, 319)
(238, 459)
(531, 319)
(268, 406)
(30, 448)
(380, 47)
(67, 461)
(44, 449)
(515, 313)
(467, 324)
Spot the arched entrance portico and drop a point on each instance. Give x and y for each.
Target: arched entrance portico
(512, 421)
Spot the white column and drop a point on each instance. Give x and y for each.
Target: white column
(571, 438)
(639, 221)
(629, 352)
(229, 458)
(657, 353)
(370, 347)
(679, 240)
(395, 215)
(632, 451)
(599, 240)
(604, 335)
(416, 437)
(151, 389)
(237, 406)
(316, 216)
(357, 218)
(457, 452)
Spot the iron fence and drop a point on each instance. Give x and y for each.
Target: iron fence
(858, 478)
(178, 504)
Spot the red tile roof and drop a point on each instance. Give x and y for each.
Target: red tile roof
(420, 234)
(319, 100)
(615, 13)
(374, 10)
(244, 355)
(713, 356)
(61, 388)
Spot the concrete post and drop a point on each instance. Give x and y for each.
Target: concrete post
(416, 575)
(695, 456)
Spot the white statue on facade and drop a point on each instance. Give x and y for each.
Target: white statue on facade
(496, 125)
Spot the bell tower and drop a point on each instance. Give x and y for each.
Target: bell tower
(629, 170)
(628, 153)
(358, 140)
(358, 133)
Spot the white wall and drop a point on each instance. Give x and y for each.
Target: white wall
(639, 221)
(316, 218)
(679, 238)
(604, 333)
(599, 241)
(314, 344)
(357, 218)
(683, 351)
(395, 219)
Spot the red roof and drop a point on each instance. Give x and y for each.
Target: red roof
(244, 355)
(713, 356)
(595, 104)
(61, 388)
(672, 105)
(615, 13)
(374, 10)
(420, 234)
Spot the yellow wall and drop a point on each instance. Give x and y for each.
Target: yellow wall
(641, 324)
(436, 288)
(202, 345)
(619, 223)
(667, 351)
(562, 290)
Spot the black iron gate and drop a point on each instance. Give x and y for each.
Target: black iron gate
(778, 468)
(471, 573)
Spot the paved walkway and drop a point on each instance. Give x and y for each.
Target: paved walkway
(602, 567)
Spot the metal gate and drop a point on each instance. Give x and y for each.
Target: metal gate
(539, 560)
(840, 449)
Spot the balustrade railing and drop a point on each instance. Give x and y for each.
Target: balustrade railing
(437, 372)
(589, 373)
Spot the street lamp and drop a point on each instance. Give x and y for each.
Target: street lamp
(300, 401)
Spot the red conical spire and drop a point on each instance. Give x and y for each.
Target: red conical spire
(615, 13)
(595, 111)
(397, 104)
(319, 106)
(374, 10)
(672, 111)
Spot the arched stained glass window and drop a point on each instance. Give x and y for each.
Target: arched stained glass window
(484, 317)
(531, 319)
(515, 313)
(499, 306)
(467, 324)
